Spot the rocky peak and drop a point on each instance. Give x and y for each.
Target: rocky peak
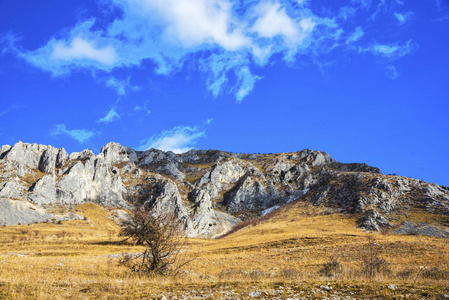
(210, 190)
(27, 155)
(116, 153)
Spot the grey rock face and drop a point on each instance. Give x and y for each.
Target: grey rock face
(411, 228)
(27, 155)
(11, 189)
(61, 158)
(374, 221)
(375, 196)
(208, 189)
(83, 155)
(155, 156)
(14, 212)
(221, 177)
(116, 153)
(3, 150)
(171, 169)
(204, 218)
(47, 162)
(251, 194)
(44, 190)
(166, 198)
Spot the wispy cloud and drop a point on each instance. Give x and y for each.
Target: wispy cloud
(381, 6)
(121, 86)
(180, 139)
(142, 108)
(390, 51)
(110, 116)
(442, 19)
(118, 85)
(363, 3)
(404, 17)
(81, 135)
(9, 109)
(392, 72)
(355, 36)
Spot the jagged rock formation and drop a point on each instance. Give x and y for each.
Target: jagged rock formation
(208, 190)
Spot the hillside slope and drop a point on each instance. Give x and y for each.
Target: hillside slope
(208, 190)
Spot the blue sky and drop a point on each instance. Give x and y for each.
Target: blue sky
(364, 80)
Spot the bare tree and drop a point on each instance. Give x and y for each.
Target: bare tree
(162, 237)
(370, 260)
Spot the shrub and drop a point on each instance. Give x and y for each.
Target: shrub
(162, 237)
(331, 268)
(369, 259)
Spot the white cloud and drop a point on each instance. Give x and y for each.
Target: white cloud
(273, 21)
(168, 32)
(196, 22)
(110, 116)
(390, 51)
(392, 72)
(80, 49)
(81, 135)
(180, 139)
(228, 40)
(403, 18)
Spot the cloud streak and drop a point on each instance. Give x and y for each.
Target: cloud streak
(392, 51)
(80, 135)
(80, 49)
(403, 18)
(9, 109)
(180, 139)
(110, 116)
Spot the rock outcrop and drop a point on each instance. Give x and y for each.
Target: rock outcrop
(209, 190)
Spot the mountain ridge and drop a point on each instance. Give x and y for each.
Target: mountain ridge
(209, 191)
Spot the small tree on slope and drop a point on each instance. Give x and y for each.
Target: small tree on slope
(162, 237)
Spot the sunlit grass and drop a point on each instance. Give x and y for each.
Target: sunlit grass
(77, 259)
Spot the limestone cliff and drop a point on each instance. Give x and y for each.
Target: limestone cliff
(207, 190)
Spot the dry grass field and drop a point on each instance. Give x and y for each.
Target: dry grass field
(279, 258)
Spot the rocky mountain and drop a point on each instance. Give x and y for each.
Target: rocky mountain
(208, 190)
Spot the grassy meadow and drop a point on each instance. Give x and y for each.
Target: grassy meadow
(297, 253)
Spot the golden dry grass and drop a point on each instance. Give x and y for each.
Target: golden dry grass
(281, 257)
